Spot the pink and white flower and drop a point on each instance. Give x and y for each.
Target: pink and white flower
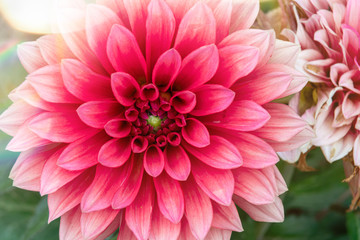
(155, 118)
(329, 35)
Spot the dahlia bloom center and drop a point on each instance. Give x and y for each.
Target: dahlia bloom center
(154, 118)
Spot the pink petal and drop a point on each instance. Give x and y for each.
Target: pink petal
(16, 115)
(195, 133)
(242, 115)
(198, 209)
(71, 22)
(124, 53)
(53, 48)
(69, 196)
(25, 139)
(218, 184)
(49, 84)
(149, 92)
(154, 161)
(60, 127)
(118, 128)
(166, 69)
(356, 150)
(218, 234)
(97, 113)
(263, 40)
(30, 56)
(54, 177)
(272, 212)
(106, 182)
(244, 14)
(138, 214)
(170, 197)
(283, 124)
(118, 7)
(183, 102)
(197, 28)
(253, 186)
(125, 88)
(256, 153)
(83, 83)
(162, 228)
(27, 173)
(160, 29)
(185, 233)
(177, 163)
(236, 61)
(125, 232)
(93, 223)
(253, 87)
(219, 154)
(352, 14)
(128, 191)
(99, 20)
(197, 68)
(82, 154)
(351, 105)
(115, 152)
(70, 228)
(285, 53)
(212, 98)
(180, 8)
(137, 12)
(226, 217)
(114, 226)
(222, 12)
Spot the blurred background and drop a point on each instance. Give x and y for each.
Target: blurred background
(315, 206)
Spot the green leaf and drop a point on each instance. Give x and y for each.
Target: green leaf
(353, 225)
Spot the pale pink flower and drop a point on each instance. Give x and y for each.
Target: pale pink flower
(330, 39)
(154, 117)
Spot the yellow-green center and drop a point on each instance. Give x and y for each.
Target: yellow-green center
(154, 121)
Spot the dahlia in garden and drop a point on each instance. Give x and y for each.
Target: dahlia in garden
(155, 118)
(329, 34)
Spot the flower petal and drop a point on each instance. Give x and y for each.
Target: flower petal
(197, 68)
(160, 29)
(177, 163)
(48, 83)
(54, 49)
(244, 14)
(129, 190)
(124, 53)
(162, 228)
(115, 152)
(198, 209)
(97, 113)
(82, 153)
(253, 186)
(212, 98)
(272, 212)
(166, 69)
(30, 56)
(154, 161)
(242, 115)
(183, 102)
(94, 223)
(169, 197)
(138, 214)
(99, 20)
(60, 126)
(195, 133)
(197, 28)
(69, 196)
(236, 61)
(125, 88)
(218, 184)
(83, 83)
(226, 217)
(253, 87)
(54, 177)
(106, 182)
(219, 154)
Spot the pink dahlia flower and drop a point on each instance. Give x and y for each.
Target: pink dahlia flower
(329, 34)
(154, 118)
